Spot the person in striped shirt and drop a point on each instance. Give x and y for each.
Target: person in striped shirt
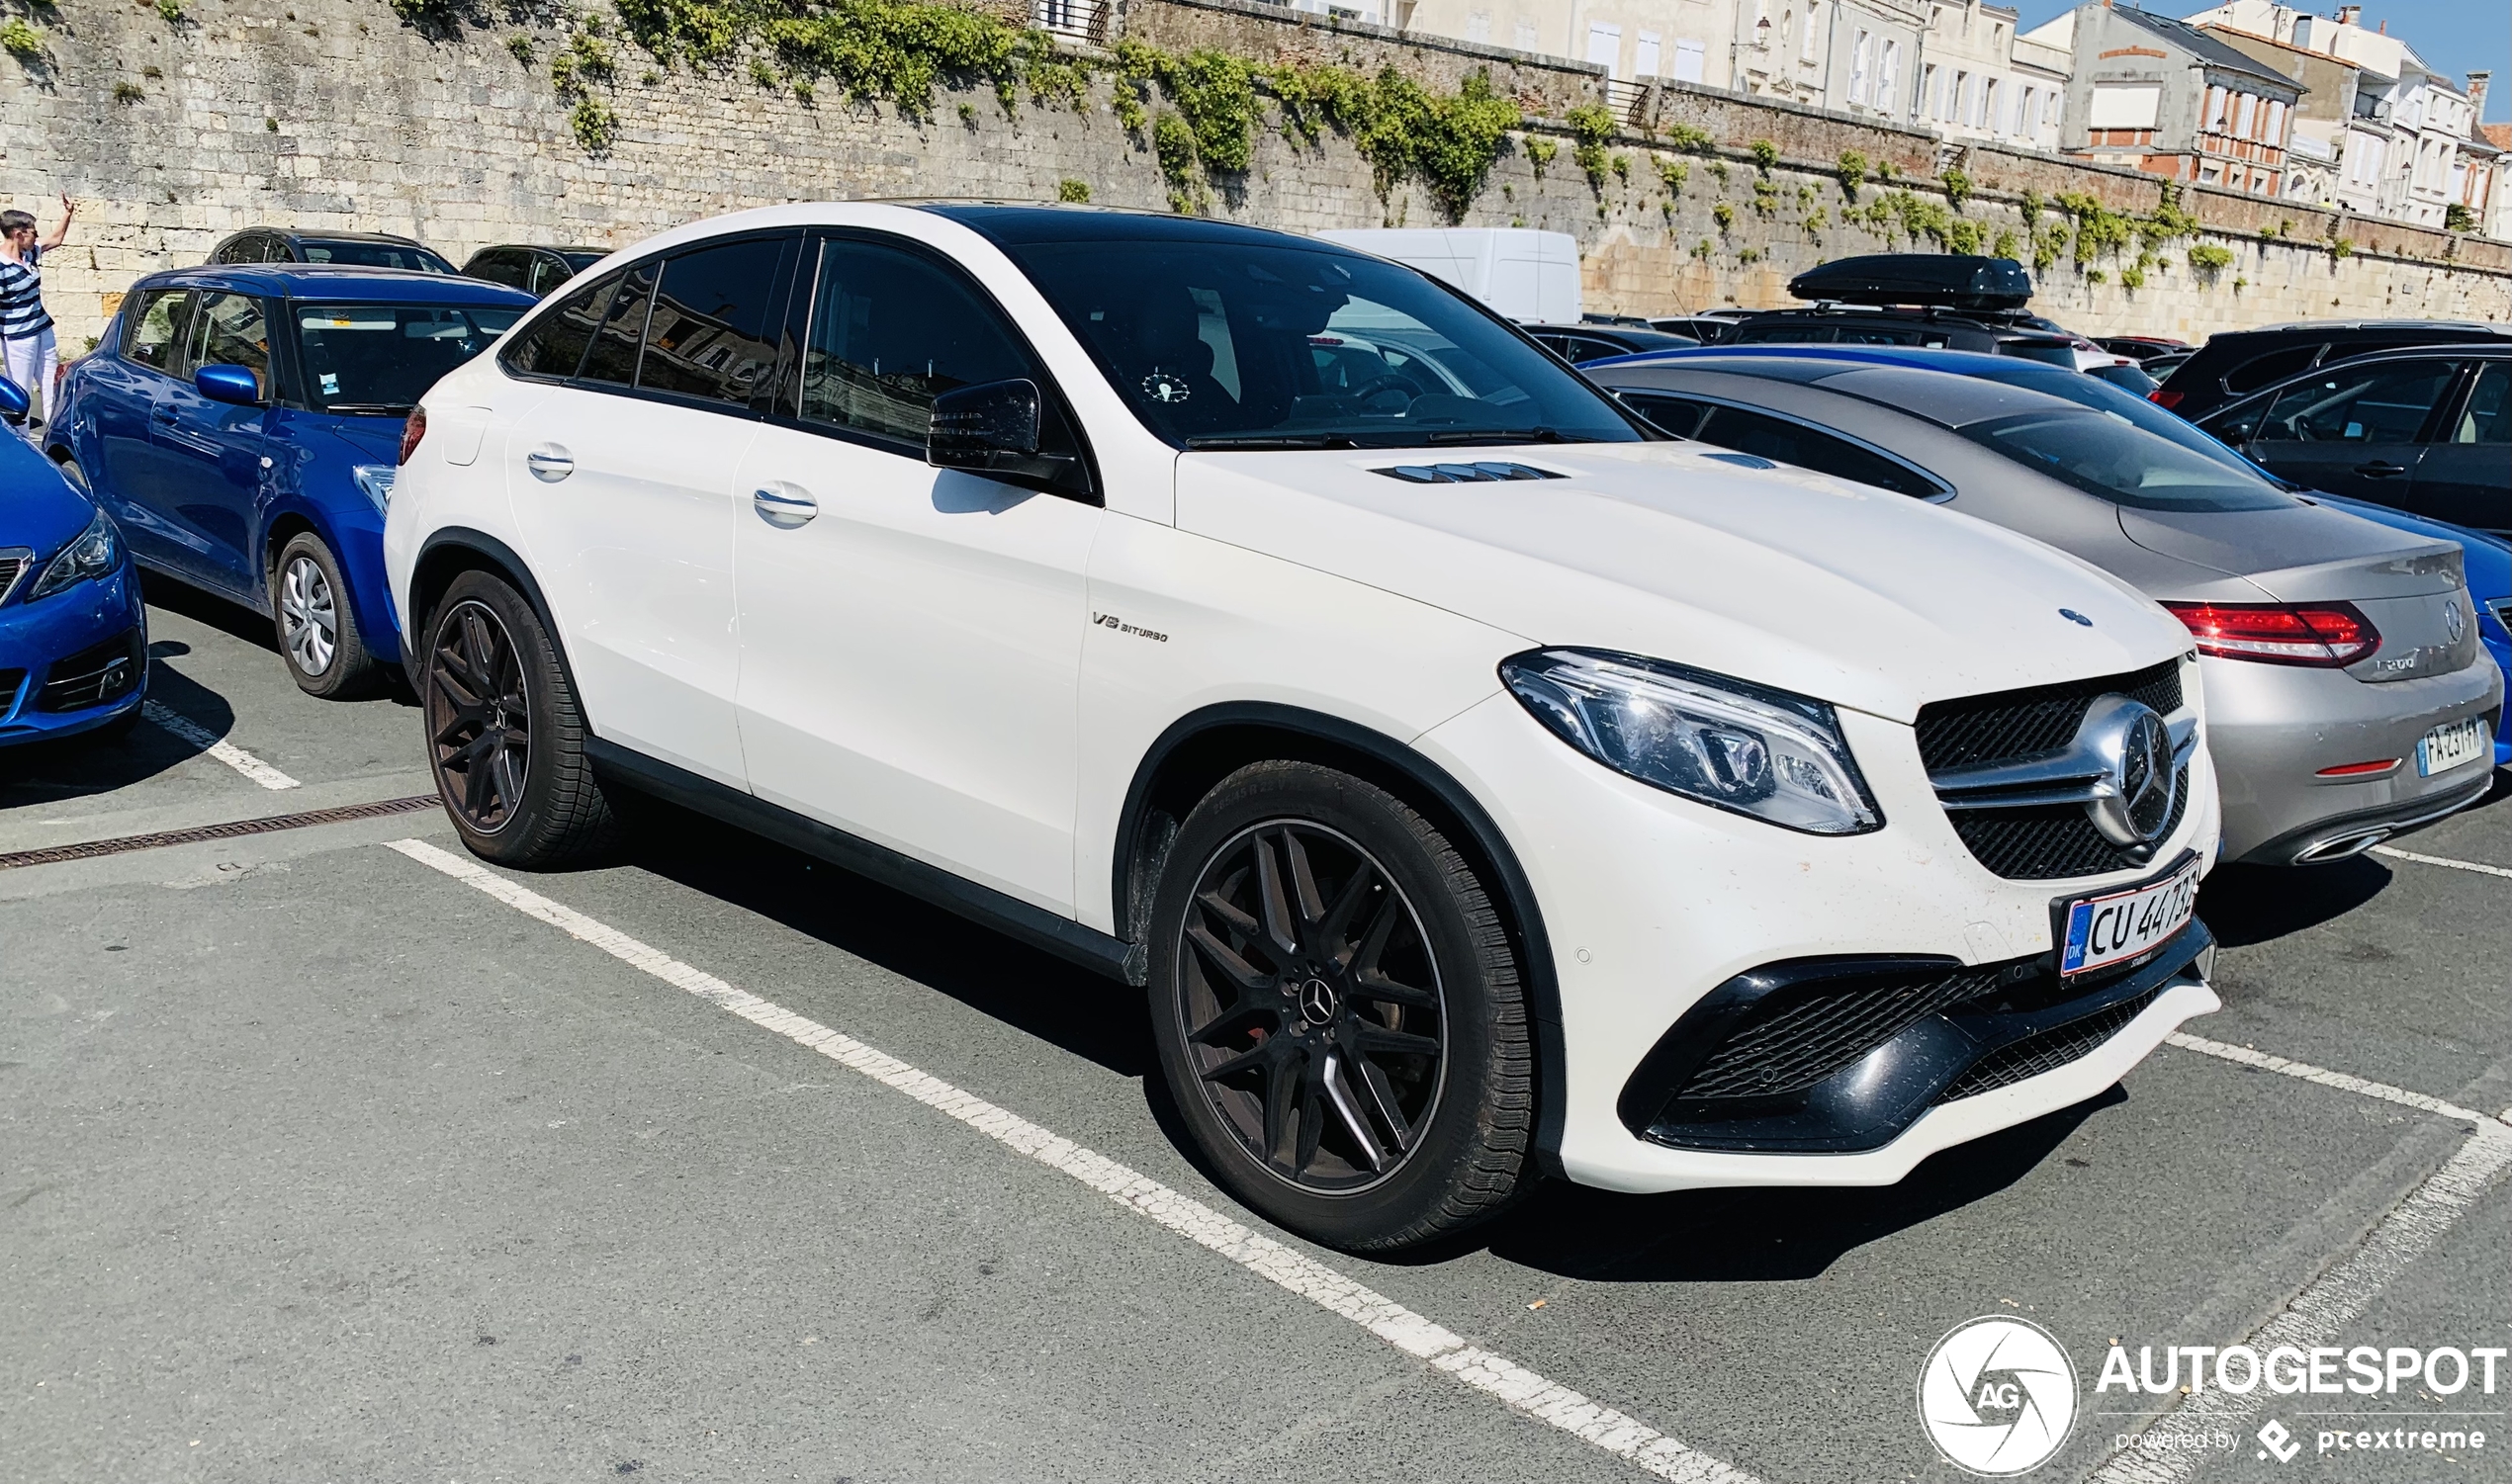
(26, 331)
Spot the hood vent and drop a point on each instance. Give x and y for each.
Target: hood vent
(1466, 474)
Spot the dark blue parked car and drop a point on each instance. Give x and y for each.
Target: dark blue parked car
(242, 423)
(73, 635)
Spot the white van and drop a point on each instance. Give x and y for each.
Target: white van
(1526, 275)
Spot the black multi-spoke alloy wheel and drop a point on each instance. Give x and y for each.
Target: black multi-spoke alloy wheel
(1339, 1011)
(504, 733)
(317, 634)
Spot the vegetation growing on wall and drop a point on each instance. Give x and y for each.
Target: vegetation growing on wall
(23, 41)
(1594, 126)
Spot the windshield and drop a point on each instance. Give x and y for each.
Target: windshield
(380, 359)
(1241, 345)
(374, 255)
(2103, 454)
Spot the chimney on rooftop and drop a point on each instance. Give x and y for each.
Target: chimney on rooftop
(2348, 12)
(2477, 93)
(2385, 26)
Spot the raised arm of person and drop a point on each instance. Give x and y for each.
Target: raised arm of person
(62, 233)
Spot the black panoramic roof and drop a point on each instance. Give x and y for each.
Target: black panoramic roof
(1017, 225)
(1950, 280)
(308, 234)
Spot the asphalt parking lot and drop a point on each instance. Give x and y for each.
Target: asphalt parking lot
(329, 1155)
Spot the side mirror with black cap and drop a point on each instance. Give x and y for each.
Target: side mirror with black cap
(229, 383)
(14, 401)
(992, 428)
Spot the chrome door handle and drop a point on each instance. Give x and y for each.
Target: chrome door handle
(550, 465)
(783, 506)
(2379, 469)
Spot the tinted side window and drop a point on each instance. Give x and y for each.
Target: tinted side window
(710, 333)
(2489, 416)
(555, 345)
(613, 355)
(236, 332)
(548, 273)
(158, 327)
(2274, 366)
(498, 267)
(232, 250)
(889, 332)
(2384, 403)
(1674, 414)
(1786, 442)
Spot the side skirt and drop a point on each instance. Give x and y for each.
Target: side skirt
(1039, 929)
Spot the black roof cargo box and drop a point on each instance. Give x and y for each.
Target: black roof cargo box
(1946, 280)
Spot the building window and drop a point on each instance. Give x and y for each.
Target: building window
(2276, 125)
(1989, 116)
(1787, 30)
(1643, 62)
(1689, 57)
(1605, 47)
(2243, 110)
(2026, 111)
(1859, 65)
(2210, 174)
(1805, 42)
(1479, 26)
(1958, 98)
(1526, 34)
(1888, 75)
(2213, 123)
(1927, 91)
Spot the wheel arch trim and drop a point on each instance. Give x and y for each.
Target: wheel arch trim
(1484, 840)
(488, 553)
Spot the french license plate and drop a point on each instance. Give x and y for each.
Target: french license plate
(2104, 930)
(2453, 745)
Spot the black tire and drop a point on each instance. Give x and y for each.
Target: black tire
(317, 629)
(1258, 1017)
(506, 737)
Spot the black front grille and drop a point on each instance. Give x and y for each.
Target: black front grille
(10, 566)
(2055, 842)
(1794, 1038)
(94, 676)
(2012, 723)
(10, 680)
(2048, 1051)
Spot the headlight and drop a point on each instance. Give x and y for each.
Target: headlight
(1724, 742)
(376, 480)
(95, 554)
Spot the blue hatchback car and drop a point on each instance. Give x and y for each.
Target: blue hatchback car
(242, 423)
(73, 634)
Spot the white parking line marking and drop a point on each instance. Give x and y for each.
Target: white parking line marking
(2441, 860)
(2324, 1076)
(226, 752)
(1512, 1384)
(2328, 1304)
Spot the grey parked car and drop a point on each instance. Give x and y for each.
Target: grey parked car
(2347, 697)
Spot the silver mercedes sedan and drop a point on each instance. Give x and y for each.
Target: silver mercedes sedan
(2348, 698)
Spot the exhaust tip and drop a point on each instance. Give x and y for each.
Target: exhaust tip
(2344, 847)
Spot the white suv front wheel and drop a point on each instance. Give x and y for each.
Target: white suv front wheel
(1338, 1011)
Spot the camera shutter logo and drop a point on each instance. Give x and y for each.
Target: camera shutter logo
(1998, 1396)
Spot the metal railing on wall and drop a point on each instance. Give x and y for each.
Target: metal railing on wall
(1626, 98)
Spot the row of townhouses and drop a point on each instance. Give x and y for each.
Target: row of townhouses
(2251, 96)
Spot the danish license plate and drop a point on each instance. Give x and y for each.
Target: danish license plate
(2453, 745)
(2103, 930)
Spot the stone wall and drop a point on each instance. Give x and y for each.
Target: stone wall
(333, 113)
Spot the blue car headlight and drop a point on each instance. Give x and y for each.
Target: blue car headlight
(96, 553)
(1724, 742)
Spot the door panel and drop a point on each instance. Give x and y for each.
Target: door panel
(626, 509)
(2353, 431)
(132, 472)
(212, 451)
(911, 637)
(2465, 474)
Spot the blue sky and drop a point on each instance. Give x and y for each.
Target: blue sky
(2452, 36)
